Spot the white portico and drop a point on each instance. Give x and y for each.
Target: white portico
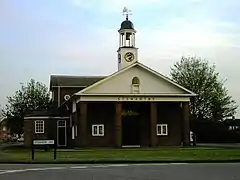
(150, 86)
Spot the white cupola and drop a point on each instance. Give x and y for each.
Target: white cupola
(127, 52)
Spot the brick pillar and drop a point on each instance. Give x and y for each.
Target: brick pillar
(118, 125)
(185, 124)
(153, 124)
(83, 124)
(28, 132)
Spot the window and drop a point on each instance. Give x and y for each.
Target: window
(135, 85)
(61, 123)
(162, 129)
(39, 126)
(98, 130)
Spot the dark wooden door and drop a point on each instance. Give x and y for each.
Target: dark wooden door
(130, 130)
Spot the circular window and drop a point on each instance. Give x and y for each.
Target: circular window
(67, 97)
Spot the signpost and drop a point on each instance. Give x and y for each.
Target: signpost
(44, 143)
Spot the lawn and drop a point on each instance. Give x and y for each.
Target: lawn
(113, 155)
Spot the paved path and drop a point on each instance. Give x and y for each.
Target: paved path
(123, 171)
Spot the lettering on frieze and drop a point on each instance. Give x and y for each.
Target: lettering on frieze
(135, 98)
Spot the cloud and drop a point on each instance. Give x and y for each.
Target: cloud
(47, 41)
(155, 45)
(161, 47)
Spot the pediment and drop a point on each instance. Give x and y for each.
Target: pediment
(151, 82)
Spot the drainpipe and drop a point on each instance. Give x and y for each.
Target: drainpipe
(59, 96)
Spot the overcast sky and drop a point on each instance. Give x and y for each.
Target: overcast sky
(79, 37)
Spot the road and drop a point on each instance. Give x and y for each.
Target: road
(122, 172)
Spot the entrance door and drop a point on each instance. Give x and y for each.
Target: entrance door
(61, 133)
(130, 130)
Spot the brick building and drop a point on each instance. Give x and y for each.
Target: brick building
(135, 106)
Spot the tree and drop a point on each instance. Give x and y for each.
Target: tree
(1, 113)
(212, 100)
(32, 96)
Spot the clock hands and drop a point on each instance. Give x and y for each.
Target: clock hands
(129, 56)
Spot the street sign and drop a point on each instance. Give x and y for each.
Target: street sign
(43, 142)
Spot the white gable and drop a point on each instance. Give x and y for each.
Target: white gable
(121, 83)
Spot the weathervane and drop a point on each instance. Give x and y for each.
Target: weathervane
(126, 12)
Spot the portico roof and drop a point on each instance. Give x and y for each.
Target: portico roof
(177, 90)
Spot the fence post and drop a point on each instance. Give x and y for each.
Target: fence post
(55, 150)
(32, 150)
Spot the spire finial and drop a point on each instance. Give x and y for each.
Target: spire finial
(126, 12)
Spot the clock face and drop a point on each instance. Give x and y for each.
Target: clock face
(129, 56)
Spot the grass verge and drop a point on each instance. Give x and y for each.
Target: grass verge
(122, 155)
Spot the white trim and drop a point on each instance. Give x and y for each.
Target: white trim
(41, 131)
(53, 95)
(127, 30)
(131, 146)
(98, 130)
(74, 106)
(141, 94)
(126, 98)
(73, 132)
(68, 86)
(161, 129)
(45, 117)
(128, 67)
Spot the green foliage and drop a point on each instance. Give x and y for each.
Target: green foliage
(30, 97)
(213, 101)
(1, 112)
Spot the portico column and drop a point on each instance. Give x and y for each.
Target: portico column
(118, 125)
(153, 124)
(185, 124)
(83, 123)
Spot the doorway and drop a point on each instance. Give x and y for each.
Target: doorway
(61, 133)
(130, 131)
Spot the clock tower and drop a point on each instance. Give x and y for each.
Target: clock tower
(127, 52)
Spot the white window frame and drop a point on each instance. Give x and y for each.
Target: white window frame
(98, 128)
(39, 130)
(160, 133)
(61, 123)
